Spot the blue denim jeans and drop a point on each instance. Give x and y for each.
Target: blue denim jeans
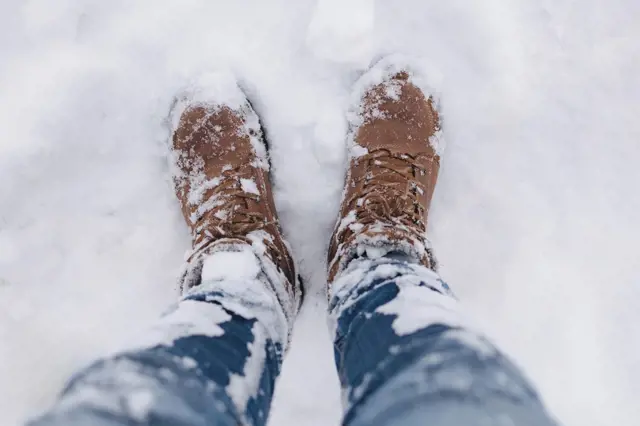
(405, 355)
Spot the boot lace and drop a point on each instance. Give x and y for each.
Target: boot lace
(391, 190)
(229, 214)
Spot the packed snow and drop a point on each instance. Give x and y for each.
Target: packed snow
(535, 221)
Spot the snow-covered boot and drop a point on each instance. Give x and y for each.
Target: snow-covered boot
(221, 178)
(393, 168)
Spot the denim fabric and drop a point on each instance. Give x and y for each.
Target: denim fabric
(212, 360)
(405, 356)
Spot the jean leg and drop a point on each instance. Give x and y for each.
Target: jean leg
(212, 360)
(406, 356)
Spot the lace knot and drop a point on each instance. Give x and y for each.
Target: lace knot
(390, 191)
(230, 214)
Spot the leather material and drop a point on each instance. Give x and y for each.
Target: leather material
(222, 183)
(392, 175)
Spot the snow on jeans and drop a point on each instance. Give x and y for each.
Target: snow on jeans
(404, 354)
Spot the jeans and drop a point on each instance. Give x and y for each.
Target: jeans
(404, 353)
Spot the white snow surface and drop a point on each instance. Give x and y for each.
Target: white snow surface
(230, 265)
(211, 89)
(535, 219)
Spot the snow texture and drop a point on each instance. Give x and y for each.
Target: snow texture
(224, 265)
(211, 89)
(535, 220)
(415, 307)
(342, 32)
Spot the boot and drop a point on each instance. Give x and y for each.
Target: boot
(393, 168)
(221, 178)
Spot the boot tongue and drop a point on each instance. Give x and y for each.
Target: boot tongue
(384, 207)
(390, 184)
(389, 171)
(238, 199)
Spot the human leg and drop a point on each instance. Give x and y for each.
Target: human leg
(406, 355)
(214, 358)
(404, 352)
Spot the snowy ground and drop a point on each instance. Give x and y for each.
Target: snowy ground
(535, 220)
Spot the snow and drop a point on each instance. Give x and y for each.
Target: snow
(342, 32)
(201, 89)
(188, 318)
(437, 309)
(196, 194)
(249, 186)
(535, 220)
(358, 151)
(236, 265)
(140, 404)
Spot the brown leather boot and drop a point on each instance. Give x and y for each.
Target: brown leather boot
(221, 178)
(394, 136)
